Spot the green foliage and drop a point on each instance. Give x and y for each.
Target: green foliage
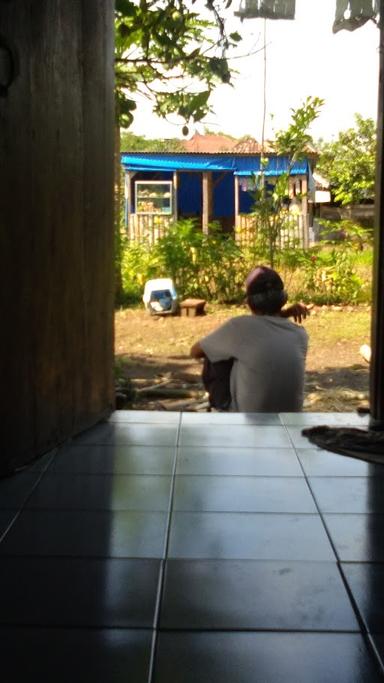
(352, 234)
(164, 50)
(223, 267)
(129, 142)
(334, 273)
(214, 267)
(138, 264)
(210, 266)
(275, 226)
(204, 265)
(176, 254)
(363, 261)
(349, 162)
(329, 277)
(296, 139)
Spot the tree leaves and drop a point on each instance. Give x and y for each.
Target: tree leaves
(219, 67)
(276, 229)
(186, 105)
(125, 7)
(126, 107)
(349, 162)
(293, 141)
(165, 51)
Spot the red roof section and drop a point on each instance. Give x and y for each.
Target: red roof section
(214, 144)
(209, 144)
(249, 145)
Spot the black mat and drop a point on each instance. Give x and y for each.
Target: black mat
(356, 443)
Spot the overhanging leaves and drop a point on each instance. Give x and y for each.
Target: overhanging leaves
(167, 52)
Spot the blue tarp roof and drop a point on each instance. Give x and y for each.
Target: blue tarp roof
(242, 165)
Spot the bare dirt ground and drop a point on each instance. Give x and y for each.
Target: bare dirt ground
(154, 370)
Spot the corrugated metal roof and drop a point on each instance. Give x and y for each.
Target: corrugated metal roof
(221, 144)
(239, 164)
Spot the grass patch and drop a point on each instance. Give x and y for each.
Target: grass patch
(137, 333)
(326, 326)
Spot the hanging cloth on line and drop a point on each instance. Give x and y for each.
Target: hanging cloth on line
(267, 9)
(351, 14)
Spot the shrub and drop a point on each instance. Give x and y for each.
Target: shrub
(222, 267)
(138, 264)
(175, 255)
(329, 278)
(214, 267)
(211, 266)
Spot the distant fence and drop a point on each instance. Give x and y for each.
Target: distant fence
(295, 233)
(149, 228)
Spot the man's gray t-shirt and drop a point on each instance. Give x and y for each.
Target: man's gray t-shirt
(269, 362)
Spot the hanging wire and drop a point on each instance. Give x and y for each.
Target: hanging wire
(262, 162)
(264, 88)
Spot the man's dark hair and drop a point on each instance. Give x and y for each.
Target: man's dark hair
(265, 291)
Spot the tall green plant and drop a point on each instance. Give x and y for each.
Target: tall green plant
(275, 226)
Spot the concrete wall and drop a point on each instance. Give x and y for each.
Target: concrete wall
(363, 214)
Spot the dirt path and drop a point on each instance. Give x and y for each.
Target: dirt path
(153, 351)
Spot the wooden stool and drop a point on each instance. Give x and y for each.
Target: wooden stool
(192, 307)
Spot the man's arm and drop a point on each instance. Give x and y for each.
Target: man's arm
(196, 351)
(297, 311)
(218, 345)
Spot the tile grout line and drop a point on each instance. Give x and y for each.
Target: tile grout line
(376, 652)
(162, 566)
(160, 585)
(28, 496)
(222, 629)
(359, 618)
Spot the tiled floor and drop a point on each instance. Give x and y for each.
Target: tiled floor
(193, 548)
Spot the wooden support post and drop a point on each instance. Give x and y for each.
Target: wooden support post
(291, 187)
(237, 202)
(128, 198)
(57, 257)
(207, 200)
(175, 192)
(304, 209)
(377, 329)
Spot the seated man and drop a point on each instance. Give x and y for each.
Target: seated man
(268, 351)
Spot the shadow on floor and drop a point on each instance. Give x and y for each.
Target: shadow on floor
(331, 388)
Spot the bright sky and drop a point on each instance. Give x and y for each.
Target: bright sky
(304, 58)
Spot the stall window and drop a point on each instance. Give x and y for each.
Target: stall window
(153, 196)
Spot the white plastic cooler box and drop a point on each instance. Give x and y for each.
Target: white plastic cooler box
(160, 297)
